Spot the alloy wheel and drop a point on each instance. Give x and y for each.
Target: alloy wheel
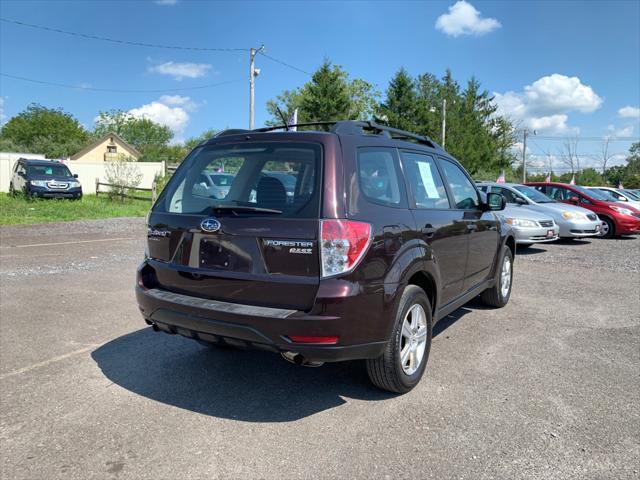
(414, 339)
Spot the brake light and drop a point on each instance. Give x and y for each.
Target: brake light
(342, 244)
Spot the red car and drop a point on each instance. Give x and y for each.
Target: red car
(618, 218)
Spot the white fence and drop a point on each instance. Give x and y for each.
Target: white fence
(87, 172)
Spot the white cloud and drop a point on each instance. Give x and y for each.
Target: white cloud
(464, 19)
(629, 112)
(178, 101)
(181, 70)
(620, 132)
(559, 93)
(169, 110)
(544, 105)
(166, 2)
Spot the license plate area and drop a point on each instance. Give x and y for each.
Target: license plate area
(218, 253)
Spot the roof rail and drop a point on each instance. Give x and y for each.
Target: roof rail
(287, 127)
(359, 127)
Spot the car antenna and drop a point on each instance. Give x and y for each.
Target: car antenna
(284, 120)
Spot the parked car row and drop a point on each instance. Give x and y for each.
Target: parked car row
(618, 218)
(576, 211)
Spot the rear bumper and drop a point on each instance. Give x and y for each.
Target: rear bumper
(360, 335)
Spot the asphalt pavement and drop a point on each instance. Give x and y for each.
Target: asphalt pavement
(548, 387)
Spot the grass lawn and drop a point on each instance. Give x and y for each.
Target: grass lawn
(17, 210)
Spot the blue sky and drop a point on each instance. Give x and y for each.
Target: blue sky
(561, 68)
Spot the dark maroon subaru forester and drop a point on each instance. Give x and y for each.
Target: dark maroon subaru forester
(344, 243)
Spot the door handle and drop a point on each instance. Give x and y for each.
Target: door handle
(428, 230)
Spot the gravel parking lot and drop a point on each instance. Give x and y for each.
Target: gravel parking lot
(547, 387)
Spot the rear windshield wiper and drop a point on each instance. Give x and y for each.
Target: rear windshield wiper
(243, 208)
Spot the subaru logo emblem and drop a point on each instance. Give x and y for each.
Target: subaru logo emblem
(210, 225)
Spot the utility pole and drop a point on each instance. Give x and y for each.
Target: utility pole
(253, 73)
(524, 156)
(444, 119)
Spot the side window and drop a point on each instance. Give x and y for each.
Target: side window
(424, 180)
(464, 193)
(584, 200)
(378, 175)
(507, 194)
(559, 193)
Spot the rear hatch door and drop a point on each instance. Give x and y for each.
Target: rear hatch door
(257, 244)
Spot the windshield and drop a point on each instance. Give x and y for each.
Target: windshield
(633, 195)
(274, 178)
(533, 194)
(53, 170)
(597, 194)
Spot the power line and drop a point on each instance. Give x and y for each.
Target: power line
(122, 42)
(284, 63)
(118, 90)
(588, 139)
(145, 44)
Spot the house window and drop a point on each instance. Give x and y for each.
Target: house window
(111, 149)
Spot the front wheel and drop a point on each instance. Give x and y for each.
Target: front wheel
(608, 228)
(498, 295)
(404, 360)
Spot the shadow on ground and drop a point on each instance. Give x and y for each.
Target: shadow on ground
(247, 385)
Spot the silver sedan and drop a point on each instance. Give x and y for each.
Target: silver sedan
(574, 221)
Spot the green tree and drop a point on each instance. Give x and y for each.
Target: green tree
(329, 95)
(193, 142)
(38, 129)
(400, 105)
(142, 133)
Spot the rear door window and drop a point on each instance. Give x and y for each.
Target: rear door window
(280, 179)
(425, 182)
(378, 175)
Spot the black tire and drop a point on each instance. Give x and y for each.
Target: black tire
(493, 296)
(611, 227)
(386, 371)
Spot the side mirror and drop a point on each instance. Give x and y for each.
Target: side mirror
(75, 175)
(520, 201)
(495, 201)
(574, 199)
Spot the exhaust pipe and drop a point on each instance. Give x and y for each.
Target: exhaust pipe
(299, 360)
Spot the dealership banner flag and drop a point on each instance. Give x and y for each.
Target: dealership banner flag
(573, 180)
(293, 119)
(501, 178)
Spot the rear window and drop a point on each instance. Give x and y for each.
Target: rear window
(277, 179)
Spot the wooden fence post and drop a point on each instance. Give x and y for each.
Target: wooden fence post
(154, 192)
(97, 186)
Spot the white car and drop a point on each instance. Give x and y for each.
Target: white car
(620, 195)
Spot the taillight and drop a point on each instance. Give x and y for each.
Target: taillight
(342, 245)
